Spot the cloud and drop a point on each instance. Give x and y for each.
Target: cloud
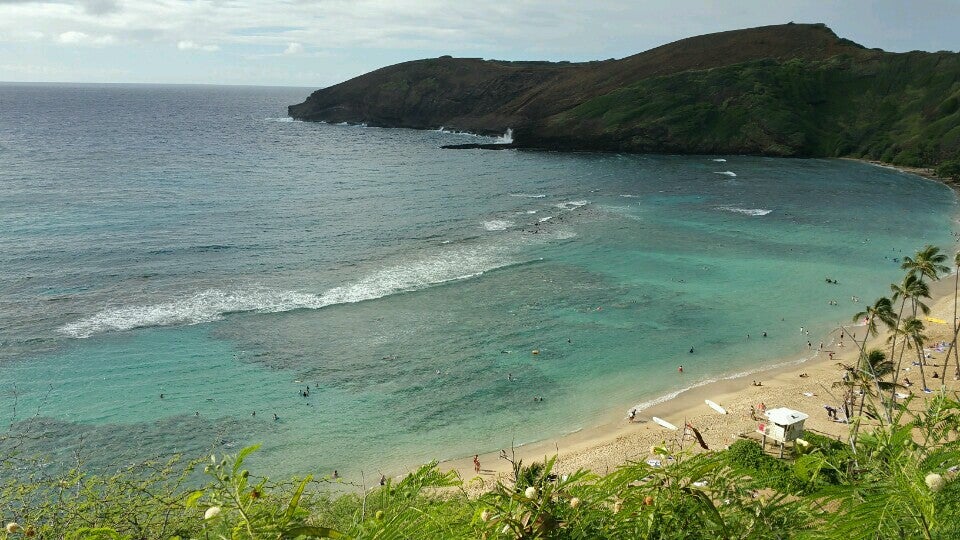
(293, 48)
(74, 37)
(90, 7)
(187, 45)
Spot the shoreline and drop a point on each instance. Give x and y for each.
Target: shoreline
(601, 448)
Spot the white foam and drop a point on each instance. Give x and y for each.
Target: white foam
(727, 173)
(446, 131)
(720, 160)
(449, 264)
(548, 218)
(570, 205)
(629, 196)
(746, 211)
(497, 225)
(282, 119)
(506, 138)
(528, 195)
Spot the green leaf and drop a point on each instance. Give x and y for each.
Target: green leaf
(192, 499)
(295, 500)
(241, 456)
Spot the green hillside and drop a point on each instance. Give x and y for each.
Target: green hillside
(785, 90)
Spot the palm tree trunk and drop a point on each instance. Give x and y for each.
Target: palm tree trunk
(923, 377)
(893, 353)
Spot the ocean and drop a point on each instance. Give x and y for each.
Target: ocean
(193, 242)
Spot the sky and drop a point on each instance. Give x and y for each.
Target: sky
(315, 43)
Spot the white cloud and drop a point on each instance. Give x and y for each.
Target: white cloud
(188, 45)
(293, 48)
(74, 37)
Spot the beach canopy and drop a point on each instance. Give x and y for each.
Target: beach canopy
(785, 417)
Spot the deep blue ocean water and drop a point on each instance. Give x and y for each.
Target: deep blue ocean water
(194, 242)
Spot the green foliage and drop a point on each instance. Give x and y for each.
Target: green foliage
(891, 108)
(949, 169)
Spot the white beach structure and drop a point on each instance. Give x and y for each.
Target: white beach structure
(785, 425)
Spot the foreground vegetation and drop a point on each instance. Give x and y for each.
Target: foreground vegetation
(898, 482)
(895, 477)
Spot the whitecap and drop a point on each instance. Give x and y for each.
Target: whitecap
(720, 160)
(449, 264)
(541, 220)
(570, 205)
(727, 173)
(497, 225)
(281, 119)
(506, 138)
(528, 195)
(746, 211)
(628, 196)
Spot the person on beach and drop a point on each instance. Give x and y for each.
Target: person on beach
(680, 369)
(631, 415)
(335, 474)
(476, 463)
(383, 479)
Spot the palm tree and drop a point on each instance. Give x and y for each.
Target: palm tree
(912, 332)
(928, 262)
(881, 310)
(956, 329)
(866, 375)
(911, 288)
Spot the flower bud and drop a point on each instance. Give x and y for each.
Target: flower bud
(530, 492)
(935, 482)
(13, 527)
(211, 513)
(574, 502)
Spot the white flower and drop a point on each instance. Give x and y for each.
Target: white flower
(505, 529)
(13, 527)
(574, 502)
(531, 492)
(934, 481)
(485, 515)
(211, 512)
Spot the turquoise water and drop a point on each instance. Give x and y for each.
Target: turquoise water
(192, 242)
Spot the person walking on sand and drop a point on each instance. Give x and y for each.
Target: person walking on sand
(476, 463)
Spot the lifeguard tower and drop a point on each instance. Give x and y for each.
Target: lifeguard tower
(785, 425)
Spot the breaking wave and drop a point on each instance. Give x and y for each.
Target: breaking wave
(213, 304)
(727, 173)
(497, 225)
(746, 211)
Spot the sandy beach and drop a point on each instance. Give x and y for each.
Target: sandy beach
(604, 447)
